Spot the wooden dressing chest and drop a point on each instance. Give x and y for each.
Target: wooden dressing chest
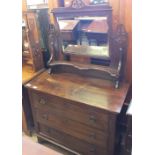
(76, 112)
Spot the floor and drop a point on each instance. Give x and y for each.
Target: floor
(30, 147)
(30, 142)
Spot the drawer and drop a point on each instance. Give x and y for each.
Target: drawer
(72, 128)
(127, 152)
(71, 142)
(129, 142)
(129, 127)
(79, 112)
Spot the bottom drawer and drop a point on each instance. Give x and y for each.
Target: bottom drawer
(70, 142)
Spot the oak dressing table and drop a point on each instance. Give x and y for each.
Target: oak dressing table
(76, 105)
(76, 112)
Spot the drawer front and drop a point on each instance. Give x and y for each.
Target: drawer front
(129, 125)
(128, 143)
(71, 110)
(71, 127)
(71, 142)
(127, 152)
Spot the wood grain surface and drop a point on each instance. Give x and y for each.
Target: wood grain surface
(94, 92)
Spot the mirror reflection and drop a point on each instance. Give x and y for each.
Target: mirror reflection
(95, 2)
(85, 35)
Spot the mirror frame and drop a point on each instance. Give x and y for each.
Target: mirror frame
(117, 44)
(84, 10)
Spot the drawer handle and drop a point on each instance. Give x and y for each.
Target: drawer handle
(92, 119)
(66, 105)
(93, 150)
(66, 121)
(45, 116)
(42, 101)
(127, 150)
(48, 130)
(92, 135)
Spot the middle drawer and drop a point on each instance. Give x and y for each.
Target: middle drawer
(71, 127)
(82, 113)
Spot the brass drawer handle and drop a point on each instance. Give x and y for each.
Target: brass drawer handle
(45, 116)
(127, 150)
(93, 150)
(48, 130)
(66, 121)
(92, 119)
(42, 101)
(66, 105)
(130, 136)
(92, 135)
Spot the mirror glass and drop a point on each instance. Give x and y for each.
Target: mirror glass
(96, 2)
(86, 35)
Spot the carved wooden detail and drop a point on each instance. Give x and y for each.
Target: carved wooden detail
(84, 70)
(120, 49)
(121, 35)
(36, 52)
(77, 4)
(115, 21)
(53, 43)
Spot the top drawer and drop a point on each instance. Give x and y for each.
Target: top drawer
(75, 111)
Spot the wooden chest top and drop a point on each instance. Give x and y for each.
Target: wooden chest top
(98, 93)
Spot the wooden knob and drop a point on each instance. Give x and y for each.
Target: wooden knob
(127, 150)
(66, 104)
(49, 130)
(45, 116)
(92, 135)
(42, 101)
(93, 150)
(66, 121)
(92, 119)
